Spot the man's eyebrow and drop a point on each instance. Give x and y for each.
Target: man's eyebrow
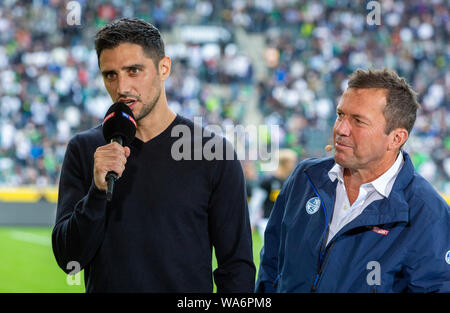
(125, 68)
(355, 115)
(106, 72)
(359, 116)
(139, 66)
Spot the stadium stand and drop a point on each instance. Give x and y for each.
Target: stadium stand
(272, 62)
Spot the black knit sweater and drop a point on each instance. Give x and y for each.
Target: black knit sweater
(157, 233)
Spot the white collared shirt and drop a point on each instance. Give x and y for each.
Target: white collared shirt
(381, 187)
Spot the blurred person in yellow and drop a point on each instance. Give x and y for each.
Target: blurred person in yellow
(265, 195)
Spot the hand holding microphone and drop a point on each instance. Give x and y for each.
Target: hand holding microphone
(119, 129)
(109, 158)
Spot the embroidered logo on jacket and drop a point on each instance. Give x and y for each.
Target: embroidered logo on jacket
(447, 257)
(313, 205)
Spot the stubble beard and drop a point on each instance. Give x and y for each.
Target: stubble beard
(147, 108)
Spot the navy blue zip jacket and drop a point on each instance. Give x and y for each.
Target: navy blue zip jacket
(397, 244)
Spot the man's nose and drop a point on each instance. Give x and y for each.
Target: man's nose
(123, 85)
(343, 127)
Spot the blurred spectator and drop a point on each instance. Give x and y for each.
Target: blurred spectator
(264, 196)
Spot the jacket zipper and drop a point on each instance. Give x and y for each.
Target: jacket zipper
(321, 266)
(322, 258)
(275, 282)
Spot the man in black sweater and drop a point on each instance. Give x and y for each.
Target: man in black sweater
(166, 214)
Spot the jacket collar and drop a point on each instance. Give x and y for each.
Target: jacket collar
(388, 210)
(380, 184)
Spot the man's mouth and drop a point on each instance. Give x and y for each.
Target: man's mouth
(130, 102)
(342, 145)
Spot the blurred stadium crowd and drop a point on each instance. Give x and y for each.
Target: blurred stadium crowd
(50, 87)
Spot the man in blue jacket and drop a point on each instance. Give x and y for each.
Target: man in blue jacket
(364, 221)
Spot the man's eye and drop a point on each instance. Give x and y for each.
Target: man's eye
(110, 76)
(134, 70)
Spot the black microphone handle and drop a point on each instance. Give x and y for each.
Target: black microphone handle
(111, 177)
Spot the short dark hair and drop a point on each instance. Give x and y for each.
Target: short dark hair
(401, 100)
(131, 30)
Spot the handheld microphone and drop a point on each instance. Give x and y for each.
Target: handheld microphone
(118, 126)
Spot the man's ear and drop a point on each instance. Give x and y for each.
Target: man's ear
(164, 67)
(397, 138)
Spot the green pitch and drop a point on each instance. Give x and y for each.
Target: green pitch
(27, 263)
